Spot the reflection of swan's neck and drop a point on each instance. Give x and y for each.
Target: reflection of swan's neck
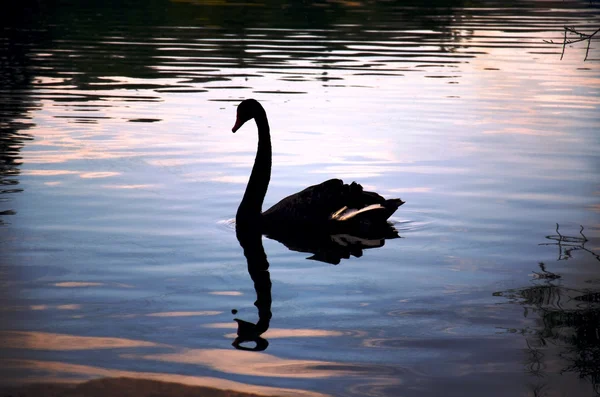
(250, 239)
(251, 205)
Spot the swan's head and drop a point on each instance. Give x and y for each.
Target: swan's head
(246, 110)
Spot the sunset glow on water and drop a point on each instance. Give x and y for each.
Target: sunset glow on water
(120, 180)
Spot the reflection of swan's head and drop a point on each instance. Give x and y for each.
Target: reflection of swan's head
(247, 109)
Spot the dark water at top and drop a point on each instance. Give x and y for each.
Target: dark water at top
(120, 180)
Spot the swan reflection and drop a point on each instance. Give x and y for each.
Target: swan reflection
(250, 240)
(329, 248)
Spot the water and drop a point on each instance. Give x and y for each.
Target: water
(121, 179)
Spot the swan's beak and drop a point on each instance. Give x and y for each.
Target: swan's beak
(238, 124)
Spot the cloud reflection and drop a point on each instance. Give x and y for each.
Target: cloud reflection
(59, 372)
(171, 314)
(253, 363)
(274, 333)
(72, 306)
(185, 314)
(64, 342)
(76, 284)
(226, 293)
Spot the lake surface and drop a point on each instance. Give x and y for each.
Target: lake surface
(120, 180)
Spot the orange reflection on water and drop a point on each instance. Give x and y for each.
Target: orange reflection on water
(241, 179)
(185, 314)
(252, 363)
(72, 306)
(420, 189)
(104, 174)
(133, 186)
(75, 284)
(169, 314)
(524, 131)
(85, 175)
(49, 341)
(274, 333)
(226, 293)
(59, 372)
(47, 172)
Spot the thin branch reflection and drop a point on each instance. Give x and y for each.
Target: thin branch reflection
(568, 319)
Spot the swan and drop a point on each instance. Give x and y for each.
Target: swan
(331, 206)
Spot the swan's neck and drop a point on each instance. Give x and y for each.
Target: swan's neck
(251, 205)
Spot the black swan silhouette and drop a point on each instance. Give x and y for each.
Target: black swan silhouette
(332, 220)
(331, 206)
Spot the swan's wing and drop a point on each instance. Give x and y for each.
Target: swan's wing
(346, 214)
(317, 203)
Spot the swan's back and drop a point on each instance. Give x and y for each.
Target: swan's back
(330, 202)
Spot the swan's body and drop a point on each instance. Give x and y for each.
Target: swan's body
(331, 205)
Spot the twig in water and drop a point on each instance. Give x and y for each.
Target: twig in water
(582, 37)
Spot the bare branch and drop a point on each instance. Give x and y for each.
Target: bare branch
(582, 37)
(562, 54)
